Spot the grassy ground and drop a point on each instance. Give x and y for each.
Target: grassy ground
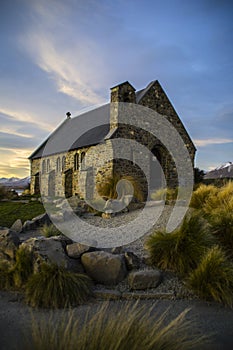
(11, 211)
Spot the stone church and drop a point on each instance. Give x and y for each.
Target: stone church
(71, 166)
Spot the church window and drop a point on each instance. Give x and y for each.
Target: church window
(76, 161)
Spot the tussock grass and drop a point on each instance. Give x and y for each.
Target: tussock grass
(164, 194)
(23, 267)
(128, 327)
(180, 250)
(15, 277)
(219, 212)
(6, 276)
(201, 196)
(50, 231)
(55, 287)
(213, 278)
(108, 188)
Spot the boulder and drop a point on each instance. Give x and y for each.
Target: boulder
(48, 250)
(132, 261)
(104, 267)
(17, 226)
(29, 225)
(9, 243)
(144, 279)
(36, 222)
(75, 250)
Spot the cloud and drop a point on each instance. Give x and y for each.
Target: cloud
(14, 118)
(72, 64)
(213, 141)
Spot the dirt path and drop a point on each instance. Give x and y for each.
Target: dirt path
(15, 319)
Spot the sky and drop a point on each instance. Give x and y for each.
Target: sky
(58, 56)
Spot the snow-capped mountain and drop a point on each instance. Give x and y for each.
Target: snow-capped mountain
(15, 182)
(223, 171)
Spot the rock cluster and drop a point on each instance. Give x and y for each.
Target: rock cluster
(106, 267)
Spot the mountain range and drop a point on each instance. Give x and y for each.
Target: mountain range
(15, 182)
(223, 171)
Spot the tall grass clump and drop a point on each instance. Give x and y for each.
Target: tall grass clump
(122, 328)
(108, 188)
(15, 276)
(50, 231)
(55, 287)
(201, 195)
(180, 250)
(219, 212)
(23, 267)
(213, 278)
(167, 194)
(6, 276)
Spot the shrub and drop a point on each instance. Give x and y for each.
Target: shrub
(219, 212)
(4, 193)
(181, 249)
(108, 188)
(201, 195)
(213, 278)
(6, 276)
(129, 327)
(23, 267)
(50, 231)
(164, 194)
(55, 287)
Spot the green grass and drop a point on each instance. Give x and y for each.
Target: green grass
(180, 250)
(126, 327)
(55, 287)
(50, 231)
(202, 195)
(11, 211)
(213, 278)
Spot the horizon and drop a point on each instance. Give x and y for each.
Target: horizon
(65, 56)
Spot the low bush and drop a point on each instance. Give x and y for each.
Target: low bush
(180, 250)
(167, 194)
(125, 327)
(15, 276)
(213, 278)
(50, 231)
(201, 195)
(219, 212)
(23, 267)
(55, 287)
(108, 188)
(6, 276)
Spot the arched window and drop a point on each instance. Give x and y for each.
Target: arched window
(63, 163)
(43, 167)
(48, 165)
(58, 167)
(76, 161)
(82, 160)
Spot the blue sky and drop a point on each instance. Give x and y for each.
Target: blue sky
(58, 56)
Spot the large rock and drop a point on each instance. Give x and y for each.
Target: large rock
(104, 267)
(144, 279)
(17, 226)
(9, 243)
(36, 222)
(75, 250)
(48, 250)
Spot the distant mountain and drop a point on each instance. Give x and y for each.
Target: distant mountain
(223, 171)
(15, 182)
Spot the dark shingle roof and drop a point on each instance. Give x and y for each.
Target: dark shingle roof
(87, 129)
